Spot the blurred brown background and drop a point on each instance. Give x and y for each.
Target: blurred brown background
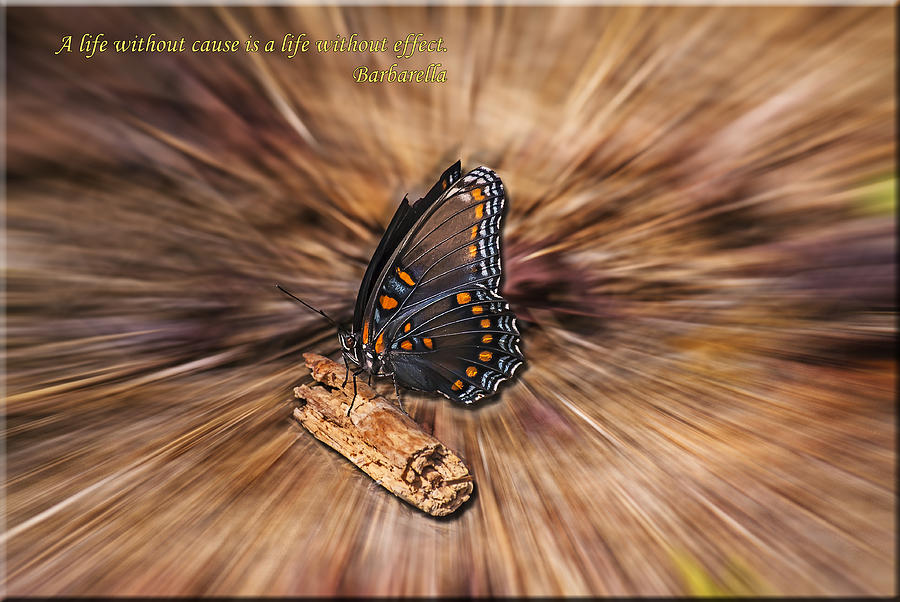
(700, 245)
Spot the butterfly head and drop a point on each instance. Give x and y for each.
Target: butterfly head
(349, 346)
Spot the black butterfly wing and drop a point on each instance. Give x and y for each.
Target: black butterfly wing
(438, 312)
(403, 221)
(463, 346)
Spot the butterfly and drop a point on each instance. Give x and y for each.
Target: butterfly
(428, 312)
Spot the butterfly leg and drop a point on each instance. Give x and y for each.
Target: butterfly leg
(397, 393)
(347, 373)
(353, 401)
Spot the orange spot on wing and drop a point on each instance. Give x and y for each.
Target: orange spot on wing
(366, 333)
(474, 232)
(471, 371)
(473, 250)
(405, 277)
(485, 356)
(463, 298)
(477, 194)
(485, 323)
(444, 184)
(388, 302)
(407, 327)
(427, 343)
(379, 344)
(457, 385)
(406, 345)
(477, 309)
(487, 338)
(479, 211)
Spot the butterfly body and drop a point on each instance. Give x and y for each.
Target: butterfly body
(429, 312)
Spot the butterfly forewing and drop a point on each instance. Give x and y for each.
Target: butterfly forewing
(382, 285)
(436, 309)
(455, 243)
(459, 240)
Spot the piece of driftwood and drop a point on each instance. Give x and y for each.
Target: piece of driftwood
(382, 440)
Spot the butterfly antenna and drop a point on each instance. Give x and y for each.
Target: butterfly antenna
(299, 300)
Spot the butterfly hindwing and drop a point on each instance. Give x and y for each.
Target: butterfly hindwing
(463, 345)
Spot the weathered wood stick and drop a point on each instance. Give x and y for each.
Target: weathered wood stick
(381, 440)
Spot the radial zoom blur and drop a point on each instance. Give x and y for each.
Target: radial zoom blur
(699, 245)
